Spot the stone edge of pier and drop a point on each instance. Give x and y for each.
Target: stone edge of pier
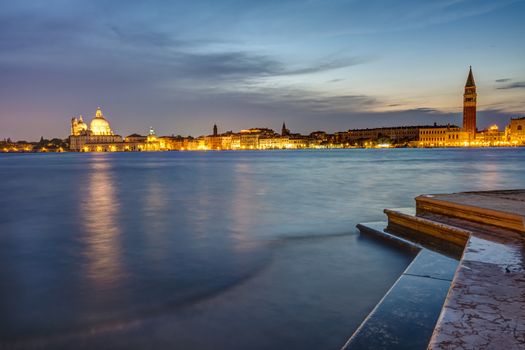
(485, 304)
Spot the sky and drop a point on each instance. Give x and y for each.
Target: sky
(182, 66)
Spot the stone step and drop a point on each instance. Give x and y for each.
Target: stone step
(413, 303)
(422, 229)
(473, 207)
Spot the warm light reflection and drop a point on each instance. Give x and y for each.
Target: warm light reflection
(102, 234)
(155, 207)
(244, 208)
(489, 174)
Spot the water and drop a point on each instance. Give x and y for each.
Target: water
(214, 250)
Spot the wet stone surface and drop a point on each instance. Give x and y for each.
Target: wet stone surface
(486, 305)
(407, 315)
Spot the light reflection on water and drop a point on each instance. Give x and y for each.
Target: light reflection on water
(99, 212)
(210, 250)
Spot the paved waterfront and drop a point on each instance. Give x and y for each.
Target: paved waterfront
(485, 306)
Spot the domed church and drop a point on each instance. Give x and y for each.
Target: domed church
(99, 137)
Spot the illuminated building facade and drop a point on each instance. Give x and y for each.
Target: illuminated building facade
(440, 136)
(398, 133)
(78, 127)
(97, 138)
(467, 136)
(516, 131)
(492, 137)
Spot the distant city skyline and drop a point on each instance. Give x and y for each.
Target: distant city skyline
(183, 67)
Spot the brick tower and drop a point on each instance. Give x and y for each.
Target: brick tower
(469, 105)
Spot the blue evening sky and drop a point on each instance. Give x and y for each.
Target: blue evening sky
(181, 66)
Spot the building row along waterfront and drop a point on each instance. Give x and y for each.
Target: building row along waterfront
(100, 137)
(468, 135)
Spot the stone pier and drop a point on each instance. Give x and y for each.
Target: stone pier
(485, 304)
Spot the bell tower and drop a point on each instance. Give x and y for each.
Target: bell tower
(469, 105)
(284, 130)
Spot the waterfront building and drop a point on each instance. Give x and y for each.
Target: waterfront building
(516, 131)
(456, 137)
(98, 137)
(319, 135)
(220, 141)
(440, 136)
(271, 142)
(235, 142)
(214, 141)
(152, 142)
(19, 146)
(226, 140)
(492, 137)
(196, 144)
(282, 142)
(249, 138)
(398, 133)
(469, 106)
(134, 142)
(171, 143)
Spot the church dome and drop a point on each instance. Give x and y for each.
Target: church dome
(99, 125)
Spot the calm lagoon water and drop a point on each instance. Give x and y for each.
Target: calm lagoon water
(215, 250)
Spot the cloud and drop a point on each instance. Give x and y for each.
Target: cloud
(321, 67)
(299, 100)
(504, 80)
(427, 110)
(128, 49)
(516, 85)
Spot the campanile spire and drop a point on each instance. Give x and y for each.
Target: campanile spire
(469, 105)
